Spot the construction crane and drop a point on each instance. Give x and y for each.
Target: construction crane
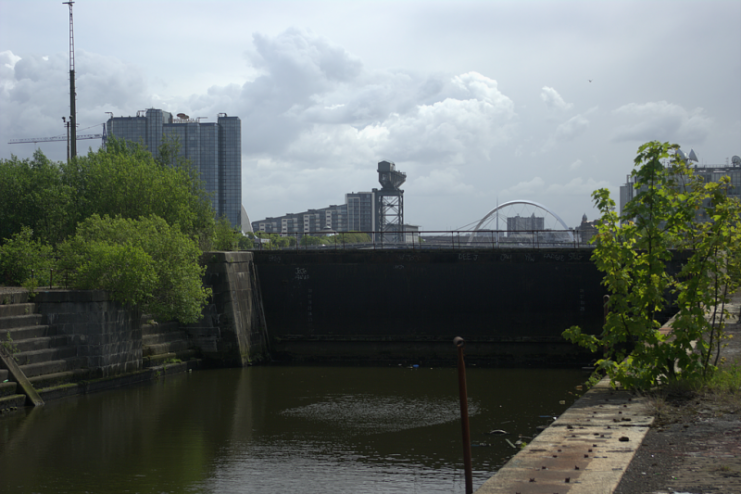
(59, 138)
(54, 139)
(78, 137)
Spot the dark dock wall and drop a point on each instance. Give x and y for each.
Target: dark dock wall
(366, 303)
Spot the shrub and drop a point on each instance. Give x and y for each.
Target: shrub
(22, 259)
(144, 262)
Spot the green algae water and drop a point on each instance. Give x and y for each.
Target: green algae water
(280, 429)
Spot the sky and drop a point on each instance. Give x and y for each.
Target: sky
(478, 102)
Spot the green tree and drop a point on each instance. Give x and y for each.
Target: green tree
(124, 180)
(275, 241)
(226, 237)
(350, 238)
(23, 258)
(308, 240)
(120, 179)
(247, 242)
(142, 261)
(633, 252)
(33, 195)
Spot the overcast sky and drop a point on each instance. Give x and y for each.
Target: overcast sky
(477, 102)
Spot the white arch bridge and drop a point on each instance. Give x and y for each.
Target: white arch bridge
(526, 229)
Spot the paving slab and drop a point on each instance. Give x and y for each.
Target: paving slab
(585, 451)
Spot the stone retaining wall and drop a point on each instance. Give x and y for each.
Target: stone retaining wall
(107, 333)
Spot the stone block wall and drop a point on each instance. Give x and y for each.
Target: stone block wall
(107, 333)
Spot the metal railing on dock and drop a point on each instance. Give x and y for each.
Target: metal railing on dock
(432, 239)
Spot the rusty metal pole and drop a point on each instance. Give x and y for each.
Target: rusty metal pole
(606, 310)
(458, 341)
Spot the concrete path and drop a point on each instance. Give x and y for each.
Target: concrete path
(585, 451)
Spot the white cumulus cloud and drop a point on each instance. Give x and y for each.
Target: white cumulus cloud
(553, 100)
(661, 121)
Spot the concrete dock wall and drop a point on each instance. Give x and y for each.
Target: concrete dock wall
(231, 332)
(511, 305)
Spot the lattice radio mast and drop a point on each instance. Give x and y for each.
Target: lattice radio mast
(72, 111)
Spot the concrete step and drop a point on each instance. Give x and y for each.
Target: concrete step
(3, 375)
(41, 343)
(160, 327)
(26, 332)
(11, 322)
(63, 390)
(49, 380)
(155, 360)
(45, 355)
(162, 348)
(53, 366)
(19, 296)
(8, 388)
(156, 338)
(12, 401)
(189, 354)
(17, 310)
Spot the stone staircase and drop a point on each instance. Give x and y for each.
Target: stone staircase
(165, 342)
(47, 358)
(56, 366)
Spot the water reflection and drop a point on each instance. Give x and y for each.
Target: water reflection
(305, 429)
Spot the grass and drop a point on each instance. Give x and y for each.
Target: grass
(723, 389)
(682, 401)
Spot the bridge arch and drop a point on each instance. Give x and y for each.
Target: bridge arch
(511, 203)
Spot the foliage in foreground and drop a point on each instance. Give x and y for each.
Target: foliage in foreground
(634, 250)
(144, 262)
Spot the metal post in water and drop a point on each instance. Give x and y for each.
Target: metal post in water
(460, 343)
(606, 309)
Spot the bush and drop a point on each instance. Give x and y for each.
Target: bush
(126, 271)
(144, 262)
(22, 259)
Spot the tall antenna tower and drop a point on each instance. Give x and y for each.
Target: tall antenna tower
(72, 111)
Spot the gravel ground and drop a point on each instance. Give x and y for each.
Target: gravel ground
(694, 445)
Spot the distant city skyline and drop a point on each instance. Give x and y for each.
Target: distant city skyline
(479, 102)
